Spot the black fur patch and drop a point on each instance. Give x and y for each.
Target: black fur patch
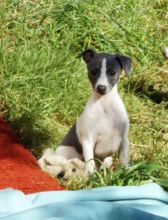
(71, 139)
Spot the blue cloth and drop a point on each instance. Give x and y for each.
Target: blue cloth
(147, 202)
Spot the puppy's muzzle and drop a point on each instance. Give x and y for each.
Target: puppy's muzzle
(61, 174)
(101, 89)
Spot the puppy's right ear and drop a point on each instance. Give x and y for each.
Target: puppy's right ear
(88, 55)
(125, 63)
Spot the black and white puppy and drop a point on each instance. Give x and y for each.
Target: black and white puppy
(102, 128)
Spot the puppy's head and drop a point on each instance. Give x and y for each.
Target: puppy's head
(52, 164)
(104, 69)
(60, 167)
(74, 167)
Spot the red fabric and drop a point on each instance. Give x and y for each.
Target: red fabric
(18, 167)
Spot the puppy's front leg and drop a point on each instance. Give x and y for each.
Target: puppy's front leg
(88, 154)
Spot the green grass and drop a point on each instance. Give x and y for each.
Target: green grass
(136, 174)
(44, 87)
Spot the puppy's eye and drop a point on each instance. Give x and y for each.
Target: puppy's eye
(94, 72)
(74, 170)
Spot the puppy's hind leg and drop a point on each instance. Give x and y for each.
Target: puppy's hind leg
(107, 163)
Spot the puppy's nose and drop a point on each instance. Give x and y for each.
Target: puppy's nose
(61, 174)
(101, 89)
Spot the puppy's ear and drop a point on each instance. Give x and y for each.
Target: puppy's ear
(77, 163)
(125, 63)
(88, 55)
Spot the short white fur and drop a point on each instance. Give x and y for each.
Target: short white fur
(103, 77)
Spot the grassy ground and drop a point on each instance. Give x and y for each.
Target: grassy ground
(44, 86)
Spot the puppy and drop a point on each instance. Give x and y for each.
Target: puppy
(102, 128)
(58, 166)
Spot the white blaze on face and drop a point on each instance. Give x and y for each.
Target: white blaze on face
(102, 80)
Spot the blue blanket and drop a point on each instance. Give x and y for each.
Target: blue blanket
(147, 202)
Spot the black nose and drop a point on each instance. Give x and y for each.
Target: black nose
(101, 89)
(61, 174)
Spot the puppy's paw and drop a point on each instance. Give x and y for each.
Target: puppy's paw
(90, 168)
(42, 164)
(46, 154)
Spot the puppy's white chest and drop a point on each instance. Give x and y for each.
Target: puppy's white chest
(103, 122)
(107, 136)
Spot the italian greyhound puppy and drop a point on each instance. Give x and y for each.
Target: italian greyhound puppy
(102, 128)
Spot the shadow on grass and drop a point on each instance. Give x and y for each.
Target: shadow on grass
(141, 89)
(34, 137)
(155, 95)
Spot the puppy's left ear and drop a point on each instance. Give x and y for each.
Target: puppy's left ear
(78, 163)
(125, 63)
